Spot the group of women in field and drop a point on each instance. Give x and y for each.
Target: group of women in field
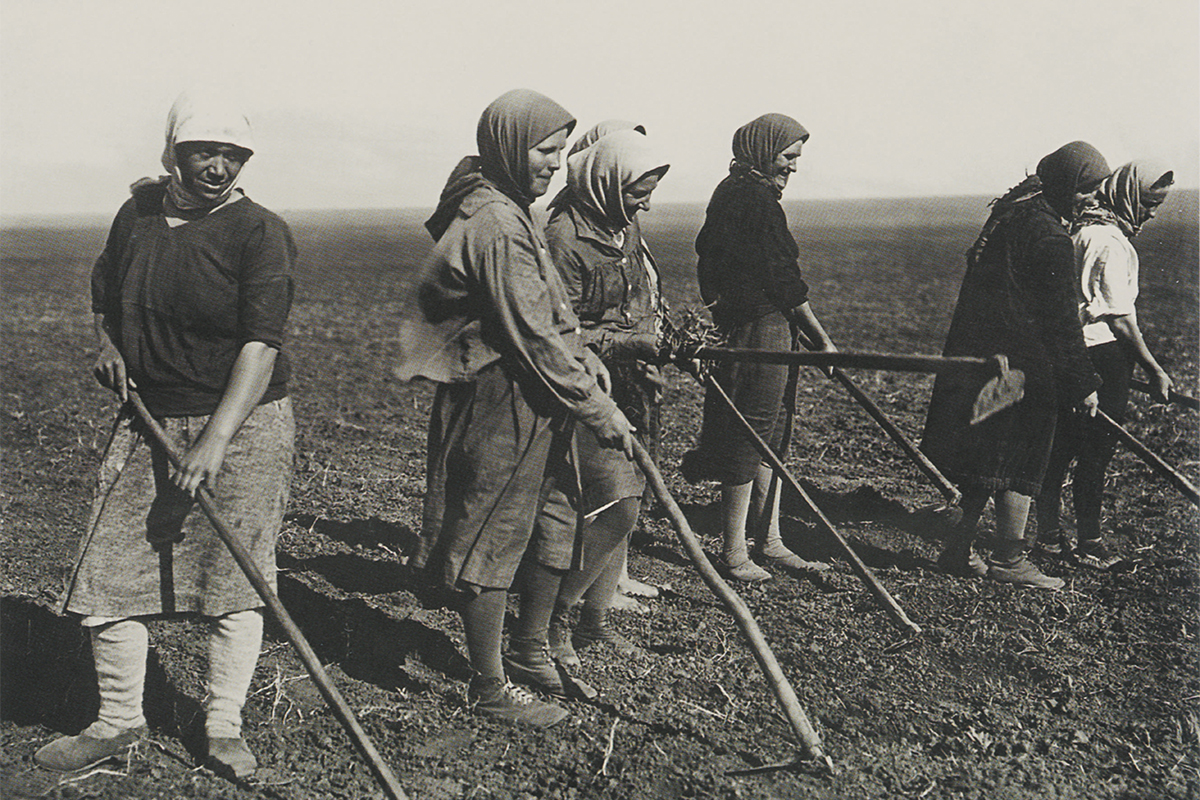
(543, 346)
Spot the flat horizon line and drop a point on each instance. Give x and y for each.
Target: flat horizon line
(48, 218)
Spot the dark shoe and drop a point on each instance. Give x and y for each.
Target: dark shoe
(747, 572)
(75, 753)
(230, 757)
(963, 562)
(595, 627)
(508, 703)
(1094, 553)
(1020, 571)
(559, 642)
(1054, 543)
(531, 664)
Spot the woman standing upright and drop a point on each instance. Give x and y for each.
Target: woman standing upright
(750, 276)
(495, 330)
(1017, 299)
(1107, 269)
(611, 280)
(190, 295)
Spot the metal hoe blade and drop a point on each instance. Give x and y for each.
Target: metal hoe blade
(999, 393)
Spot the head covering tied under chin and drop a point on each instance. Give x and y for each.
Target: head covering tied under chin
(200, 118)
(594, 134)
(758, 143)
(598, 174)
(1071, 168)
(1126, 195)
(514, 123)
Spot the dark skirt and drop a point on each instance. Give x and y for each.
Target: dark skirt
(150, 550)
(493, 461)
(759, 391)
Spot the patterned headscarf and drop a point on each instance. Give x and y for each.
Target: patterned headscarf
(1125, 195)
(598, 174)
(199, 117)
(758, 143)
(508, 129)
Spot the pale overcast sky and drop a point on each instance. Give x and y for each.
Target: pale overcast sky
(370, 103)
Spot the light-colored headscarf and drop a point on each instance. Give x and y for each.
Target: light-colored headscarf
(512, 125)
(598, 174)
(759, 142)
(602, 129)
(1125, 195)
(197, 117)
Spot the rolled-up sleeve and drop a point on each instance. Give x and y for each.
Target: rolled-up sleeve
(105, 272)
(266, 287)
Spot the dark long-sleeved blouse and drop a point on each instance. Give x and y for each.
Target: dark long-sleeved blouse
(748, 262)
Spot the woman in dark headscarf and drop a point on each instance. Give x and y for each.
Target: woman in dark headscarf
(750, 276)
(494, 328)
(1107, 271)
(191, 296)
(1018, 299)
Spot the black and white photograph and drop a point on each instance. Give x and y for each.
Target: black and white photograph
(626, 400)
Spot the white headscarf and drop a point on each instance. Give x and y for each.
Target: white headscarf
(197, 117)
(598, 174)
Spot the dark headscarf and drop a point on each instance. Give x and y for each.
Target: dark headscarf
(757, 144)
(508, 129)
(1069, 169)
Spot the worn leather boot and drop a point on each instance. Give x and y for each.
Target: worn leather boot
(528, 662)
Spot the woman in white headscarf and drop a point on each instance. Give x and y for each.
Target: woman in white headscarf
(190, 295)
(612, 284)
(1107, 269)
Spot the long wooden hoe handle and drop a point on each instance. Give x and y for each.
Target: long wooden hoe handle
(784, 692)
(847, 358)
(864, 572)
(1152, 459)
(948, 489)
(341, 710)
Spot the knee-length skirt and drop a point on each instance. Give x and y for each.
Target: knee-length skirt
(149, 549)
(759, 391)
(493, 461)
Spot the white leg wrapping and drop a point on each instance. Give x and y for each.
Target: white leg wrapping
(233, 649)
(119, 649)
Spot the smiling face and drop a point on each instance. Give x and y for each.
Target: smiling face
(544, 160)
(636, 196)
(208, 169)
(785, 164)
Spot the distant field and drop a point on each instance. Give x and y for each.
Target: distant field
(1083, 694)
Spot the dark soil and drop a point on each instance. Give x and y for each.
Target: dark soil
(1090, 692)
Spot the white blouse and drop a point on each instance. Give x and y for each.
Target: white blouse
(1107, 266)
